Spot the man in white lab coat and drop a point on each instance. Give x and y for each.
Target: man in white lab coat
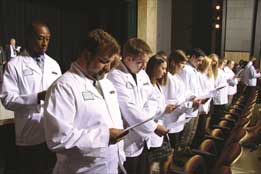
(82, 114)
(190, 76)
(25, 81)
(232, 80)
(134, 91)
(250, 76)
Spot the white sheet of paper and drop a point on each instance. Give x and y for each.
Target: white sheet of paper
(211, 93)
(144, 121)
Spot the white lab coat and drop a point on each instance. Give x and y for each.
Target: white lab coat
(155, 140)
(134, 101)
(22, 80)
(77, 121)
(232, 87)
(175, 93)
(206, 85)
(189, 76)
(221, 97)
(250, 75)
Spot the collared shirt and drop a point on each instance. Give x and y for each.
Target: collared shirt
(95, 82)
(13, 51)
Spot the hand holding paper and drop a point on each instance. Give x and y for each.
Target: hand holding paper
(116, 135)
(211, 93)
(161, 130)
(170, 108)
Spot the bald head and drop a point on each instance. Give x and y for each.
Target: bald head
(37, 38)
(12, 41)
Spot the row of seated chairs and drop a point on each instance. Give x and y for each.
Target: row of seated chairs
(221, 147)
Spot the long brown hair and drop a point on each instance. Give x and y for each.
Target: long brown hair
(175, 57)
(152, 65)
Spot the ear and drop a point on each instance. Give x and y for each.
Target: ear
(86, 55)
(128, 59)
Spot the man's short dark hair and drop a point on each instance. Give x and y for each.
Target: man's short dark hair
(98, 41)
(135, 47)
(30, 32)
(197, 52)
(31, 29)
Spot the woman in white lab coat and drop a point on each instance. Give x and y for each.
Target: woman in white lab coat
(206, 81)
(175, 93)
(220, 100)
(160, 150)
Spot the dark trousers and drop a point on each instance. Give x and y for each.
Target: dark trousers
(8, 155)
(139, 164)
(250, 90)
(37, 159)
(218, 112)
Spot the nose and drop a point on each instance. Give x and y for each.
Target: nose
(143, 65)
(45, 42)
(106, 67)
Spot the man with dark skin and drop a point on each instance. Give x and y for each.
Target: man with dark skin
(25, 81)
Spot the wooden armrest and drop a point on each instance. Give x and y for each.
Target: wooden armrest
(222, 127)
(238, 104)
(231, 113)
(215, 138)
(236, 108)
(229, 120)
(203, 153)
(177, 172)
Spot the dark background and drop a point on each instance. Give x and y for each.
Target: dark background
(68, 21)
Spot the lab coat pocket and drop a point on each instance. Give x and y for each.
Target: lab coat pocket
(27, 72)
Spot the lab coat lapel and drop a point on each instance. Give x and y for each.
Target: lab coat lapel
(89, 87)
(130, 83)
(31, 64)
(107, 92)
(93, 90)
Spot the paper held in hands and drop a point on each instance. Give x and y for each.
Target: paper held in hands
(125, 131)
(211, 93)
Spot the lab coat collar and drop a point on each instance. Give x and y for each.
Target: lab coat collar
(125, 70)
(31, 64)
(77, 70)
(250, 63)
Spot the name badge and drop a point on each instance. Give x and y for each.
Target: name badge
(27, 72)
(112, 92)
(55, 73)
(147, 83)
(87, 96)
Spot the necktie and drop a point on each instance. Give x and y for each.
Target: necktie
(97, 85)
(14, 51)
(40, 62)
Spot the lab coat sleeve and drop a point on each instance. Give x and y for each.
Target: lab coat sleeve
(10, 95)
(131, 112)
(253, 73)
(170, 91)
(186, 77)
(60, 132)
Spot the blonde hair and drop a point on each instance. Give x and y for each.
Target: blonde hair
(205, 66)
(214, 57)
